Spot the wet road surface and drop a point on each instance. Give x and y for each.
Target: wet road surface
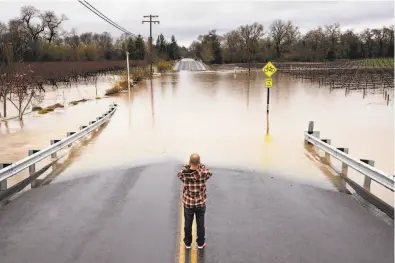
(132, 215)
(122, 215)
(262, 218)
(190, 65)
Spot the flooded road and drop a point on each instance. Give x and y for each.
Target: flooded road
(223, 118)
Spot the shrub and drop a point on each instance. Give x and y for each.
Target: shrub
(164, 66)
(55, 106)
(139, 74)
(136, 76)
(36, 108)
(43, 111)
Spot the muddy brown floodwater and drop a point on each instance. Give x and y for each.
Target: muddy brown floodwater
(222, 117)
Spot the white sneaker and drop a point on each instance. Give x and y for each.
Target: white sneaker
(202, 246)
(187, 247)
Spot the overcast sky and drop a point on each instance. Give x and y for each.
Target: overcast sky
(188, 19)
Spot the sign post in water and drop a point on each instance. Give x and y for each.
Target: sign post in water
(269, 69)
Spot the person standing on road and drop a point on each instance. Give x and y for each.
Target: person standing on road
(194, 177)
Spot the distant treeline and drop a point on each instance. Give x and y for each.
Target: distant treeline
(38, 36)
(282, 41)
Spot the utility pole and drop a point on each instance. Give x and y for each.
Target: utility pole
(150, 35)
(128, 74)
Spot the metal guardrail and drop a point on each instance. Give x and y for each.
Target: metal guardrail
(371, 172)
(25, 163)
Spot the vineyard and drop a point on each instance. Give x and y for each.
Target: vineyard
(370, 75)
(377, 74)
(20, 83)
(52, 73)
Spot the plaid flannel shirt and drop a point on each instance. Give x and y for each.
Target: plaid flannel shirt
(194, 193)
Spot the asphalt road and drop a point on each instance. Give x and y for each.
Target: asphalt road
(190, 65)
(262, 218)
(132, 215)
(121, 215)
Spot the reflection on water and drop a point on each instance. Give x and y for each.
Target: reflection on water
(224, 119)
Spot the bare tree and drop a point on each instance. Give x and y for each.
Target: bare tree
(350, 45)
(28, 15)
(389, 37)
(278, 31)
(201, 50)
(86, 38)
(4, 90)
(233, 46)
(6, 67)
(19, 37)
(332, 33)
(23, 90)
(284, 35)
(3, 29)
(367, 39)
(380, 37)
(251, 34)
(292, 36)
(72, 40)
(313, 44)
(3, 41)
(52, 23)
(34, 23)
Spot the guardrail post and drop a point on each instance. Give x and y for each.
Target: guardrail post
(53, 142)
(344, 166)
(310, 129)
(91, 122)
(367, 180)
(32, 168)
(327, 141)
(69, 134)
(82, 127)
(3, 184)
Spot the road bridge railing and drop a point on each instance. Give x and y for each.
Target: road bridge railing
(362, 166)
(35, 156)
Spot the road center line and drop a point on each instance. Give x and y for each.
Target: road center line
(181, 247)
(194, 245)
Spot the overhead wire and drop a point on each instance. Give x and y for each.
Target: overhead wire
(104, 17)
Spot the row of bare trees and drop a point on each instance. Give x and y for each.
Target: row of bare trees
(18, 88)
(282, 40)
(38, 36)
(25, 35)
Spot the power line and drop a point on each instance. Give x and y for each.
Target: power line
(104, 17)
(118, 26)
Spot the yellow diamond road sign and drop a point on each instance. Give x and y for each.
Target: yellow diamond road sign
(269, 69)
(269, 82)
